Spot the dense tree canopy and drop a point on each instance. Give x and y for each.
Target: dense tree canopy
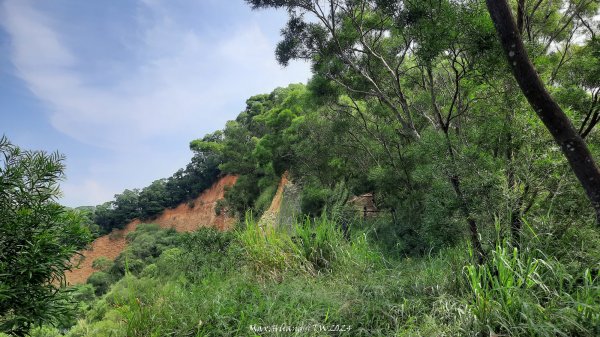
(411, 100)
(425, 94)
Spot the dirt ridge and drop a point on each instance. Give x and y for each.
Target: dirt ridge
(269, 218)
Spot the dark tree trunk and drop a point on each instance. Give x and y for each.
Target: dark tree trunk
(520, 15)
(464, 207)
(573, 147)
(453, 176)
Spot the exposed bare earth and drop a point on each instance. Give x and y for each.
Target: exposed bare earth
(269, 218)
(184, 218)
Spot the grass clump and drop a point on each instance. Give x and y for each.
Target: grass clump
(526, 292)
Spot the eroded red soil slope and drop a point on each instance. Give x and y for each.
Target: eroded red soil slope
(184, 218)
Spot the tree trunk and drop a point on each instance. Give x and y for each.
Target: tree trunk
(520, 15)
(573, 147)
(453, 176)
(464, 207)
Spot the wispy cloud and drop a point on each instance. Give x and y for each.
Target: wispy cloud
(178, 82)
(184, 79)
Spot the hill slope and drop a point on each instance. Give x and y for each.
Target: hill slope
(184, 218)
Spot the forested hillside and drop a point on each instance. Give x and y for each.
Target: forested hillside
(476, 137)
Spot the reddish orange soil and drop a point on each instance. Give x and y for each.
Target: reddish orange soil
(183, 218)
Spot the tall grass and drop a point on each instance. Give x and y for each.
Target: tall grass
(311, 275)
(312, 246)
(271, 250)
(524, 292)
(307, 275)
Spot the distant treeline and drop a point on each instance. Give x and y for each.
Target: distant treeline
(150, 201)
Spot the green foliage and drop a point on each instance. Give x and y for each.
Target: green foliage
(242, 195)
(102, 264)
(223, 283)
(314, 199)
(312, 247)
(270, 251)
(38, 238)
(101, 282)
(414, 103)
(149, 202)
(265, 198)
(317, 242)
(145, 245)
(87, 213)
(222, 294)
(203, 251)
(151, 270)
(525, 292)
(257, 146)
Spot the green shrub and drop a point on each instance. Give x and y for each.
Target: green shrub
(270, 251)
(241, 196)
(313, 200)
(102, 264)
(169, 262)
(38, 239)
(101, 282)
(112, 328)
(83, 293)
(202, 251)
(311, 247)
(45, 331)
(220, 283)
(127, 262)
(150, 270)
(319, 242)
(145, 245)
(265, 198)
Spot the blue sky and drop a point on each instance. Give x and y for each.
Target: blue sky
(122, 86)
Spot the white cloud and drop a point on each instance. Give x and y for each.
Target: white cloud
(185, 80)
(178, 84)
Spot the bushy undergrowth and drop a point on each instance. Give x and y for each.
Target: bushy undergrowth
(145, 245)
(312, 277)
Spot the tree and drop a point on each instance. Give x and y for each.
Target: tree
(38, 238)
(153, 198)
(386, 53)
(349, 42)
(556, 121)
(104, 216)
(127, 207)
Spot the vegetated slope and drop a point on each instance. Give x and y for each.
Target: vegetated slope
(184, 218)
